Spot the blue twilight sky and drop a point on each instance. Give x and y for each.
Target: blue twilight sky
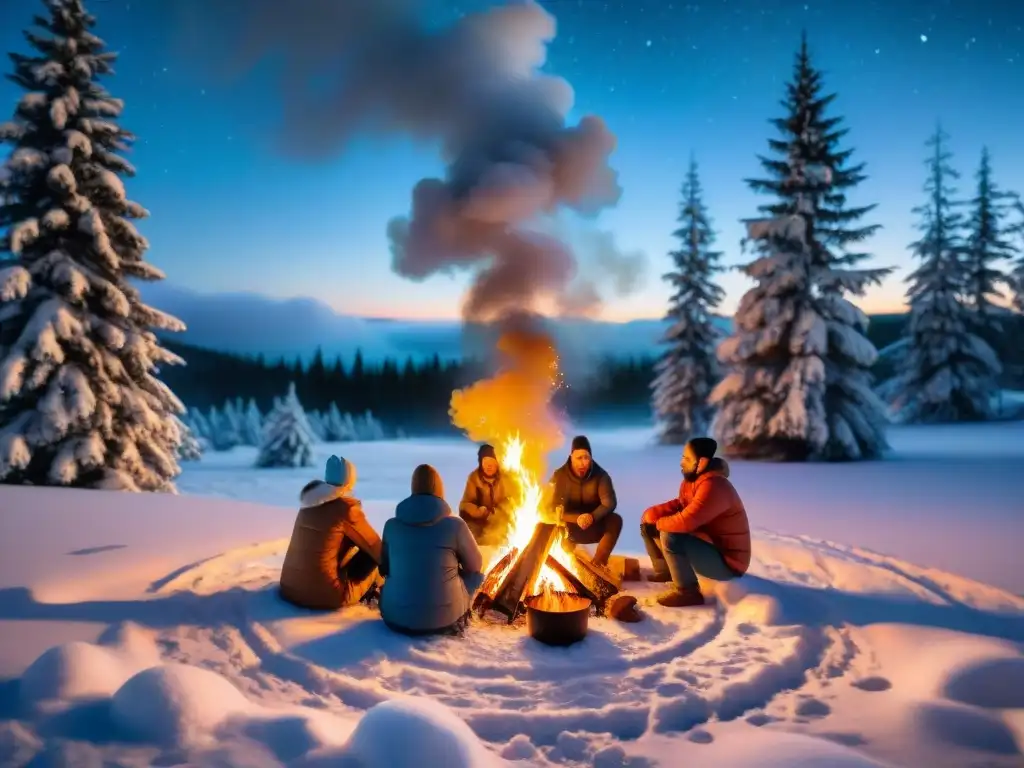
(669, 77)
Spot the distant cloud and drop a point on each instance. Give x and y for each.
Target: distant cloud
(251, 323)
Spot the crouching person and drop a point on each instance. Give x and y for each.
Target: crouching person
(334, 552)
(703, 532)
(430, 562)
(584, 491)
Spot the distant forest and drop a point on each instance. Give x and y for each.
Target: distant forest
(414, 396)
(408, 395)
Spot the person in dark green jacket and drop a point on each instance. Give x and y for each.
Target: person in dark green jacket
(584, 492)
(485, 500)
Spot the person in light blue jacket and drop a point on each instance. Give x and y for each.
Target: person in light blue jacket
(430, 562)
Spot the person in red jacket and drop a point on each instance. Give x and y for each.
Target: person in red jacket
(704, 531)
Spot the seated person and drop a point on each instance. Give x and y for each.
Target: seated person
(334, 552)
(430, 562)
(704, 531)
(585, 493)
(484, 504)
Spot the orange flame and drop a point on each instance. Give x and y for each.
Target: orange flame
(513, 410)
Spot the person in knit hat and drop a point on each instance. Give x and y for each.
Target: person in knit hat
(484, 504)
(584, 498)
(431, 564)
(334, 552)
(703, 532)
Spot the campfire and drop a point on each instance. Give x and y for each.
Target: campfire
(534, 570)
(536, 564)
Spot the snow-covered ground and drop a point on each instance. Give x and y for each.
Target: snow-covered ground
(168, 644)
(949, 497)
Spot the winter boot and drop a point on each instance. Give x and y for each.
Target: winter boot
(681, 598)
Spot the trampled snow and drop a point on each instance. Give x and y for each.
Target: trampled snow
(146, 629)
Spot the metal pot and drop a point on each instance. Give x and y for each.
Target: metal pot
(557, 618)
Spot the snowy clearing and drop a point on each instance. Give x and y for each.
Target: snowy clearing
(816, 657)
(167, 643)
(938, 488)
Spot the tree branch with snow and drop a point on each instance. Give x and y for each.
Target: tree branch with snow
(81, 403)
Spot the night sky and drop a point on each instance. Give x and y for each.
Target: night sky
(230, 214)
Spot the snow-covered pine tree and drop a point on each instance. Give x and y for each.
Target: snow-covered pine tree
(191, 447)
(988, 245)
(222, 432)
(232, 420)
(316, 424)
(252, 424)
(80, 401)
(199, 424)
(287, 437)
(688, 369)
(799, 382)
(1017, 269)
(232, 413)
(335, 428)
(948, 372)
(368, 427)
(349, 430)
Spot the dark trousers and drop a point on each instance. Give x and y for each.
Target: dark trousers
(683, 557)
(604, 532)
(358, 577)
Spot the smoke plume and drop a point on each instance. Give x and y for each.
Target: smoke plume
(475, 87)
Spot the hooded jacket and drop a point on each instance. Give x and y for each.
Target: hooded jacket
(428, 554)
(711, 509)
(319, 570)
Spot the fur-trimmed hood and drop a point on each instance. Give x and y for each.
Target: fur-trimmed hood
(317, 492)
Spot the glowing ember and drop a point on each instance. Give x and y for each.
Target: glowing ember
(556, 601)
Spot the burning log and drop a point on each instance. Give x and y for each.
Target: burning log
(493, 578)
(508, 596)
(589, 581)
(506, 584)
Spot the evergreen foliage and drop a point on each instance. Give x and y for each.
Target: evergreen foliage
(287, 437)
(988, 246)
(688, 369)
(799, 361)
(948, 372)
(80, 401)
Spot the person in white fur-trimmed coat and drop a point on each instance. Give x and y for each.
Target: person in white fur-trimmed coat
(334, 553)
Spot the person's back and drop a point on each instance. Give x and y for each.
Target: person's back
(319, 571)
(430, 561)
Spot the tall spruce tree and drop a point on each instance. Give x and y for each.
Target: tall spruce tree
(688, 369)
(988, 245)
(799, 383)
(80, 401)
(1017, 268)
(948, 372)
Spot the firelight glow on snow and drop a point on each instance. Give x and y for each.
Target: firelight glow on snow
(529, 169)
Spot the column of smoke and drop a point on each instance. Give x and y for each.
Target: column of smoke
(512, 161)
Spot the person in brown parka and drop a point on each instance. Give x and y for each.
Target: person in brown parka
(334, 552)
(485, 501)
